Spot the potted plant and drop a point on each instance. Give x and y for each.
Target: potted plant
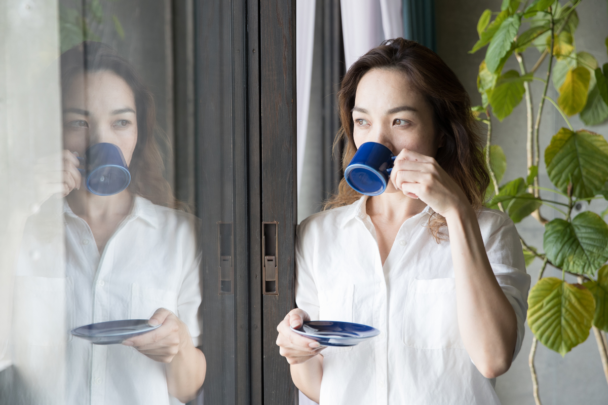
(561, 315)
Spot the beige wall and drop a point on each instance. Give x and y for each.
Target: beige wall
(577, 378)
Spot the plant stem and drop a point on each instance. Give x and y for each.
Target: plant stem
(601, 343)
(561, 112)
(533, 349)
(488, 160)
(536, 190)
(529, 115)
(559, 31)
(603, 348)
(555, 191)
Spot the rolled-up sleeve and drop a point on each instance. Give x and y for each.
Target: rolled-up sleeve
(506, 257)
(306, 290)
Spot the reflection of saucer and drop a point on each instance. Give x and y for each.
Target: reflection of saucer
(331, 333)
(113, 332)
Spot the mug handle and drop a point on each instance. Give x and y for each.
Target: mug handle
(81, 164)
(390, 169)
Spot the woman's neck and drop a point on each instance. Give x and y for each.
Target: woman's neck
(393, 207)
(96, 208)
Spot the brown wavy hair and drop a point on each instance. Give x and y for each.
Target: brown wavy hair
(460, 154)
(147, 164)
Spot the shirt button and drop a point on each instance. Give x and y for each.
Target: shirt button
(100, 283)
(85, 241)
(97, 380)
(402, 242)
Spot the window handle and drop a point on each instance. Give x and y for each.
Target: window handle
(270, 268)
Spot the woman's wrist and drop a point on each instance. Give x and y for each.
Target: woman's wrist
(460, 213)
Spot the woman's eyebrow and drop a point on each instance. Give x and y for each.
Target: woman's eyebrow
(123, 110)
(391, 111)
(76, 111)
(401, 108)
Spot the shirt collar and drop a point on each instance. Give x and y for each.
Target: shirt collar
(357, 210)
(142, 209)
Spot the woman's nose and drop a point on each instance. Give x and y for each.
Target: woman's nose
(99, 134)
(382, 136)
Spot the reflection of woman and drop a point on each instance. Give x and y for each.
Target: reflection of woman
(440, 276)
(128, 255)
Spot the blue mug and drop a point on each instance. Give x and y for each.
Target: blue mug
(106, 171)
(369, 171)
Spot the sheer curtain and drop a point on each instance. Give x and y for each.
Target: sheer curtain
(366, 23)
(32, 336)
(305, 24)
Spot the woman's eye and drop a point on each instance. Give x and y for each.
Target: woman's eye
(122, 123)
(361, 122)
(78, 124)
(400, 122)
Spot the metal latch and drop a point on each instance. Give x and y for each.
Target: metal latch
(270, 268)
(226, 264)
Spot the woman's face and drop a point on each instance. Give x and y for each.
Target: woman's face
(99, 107)
(389, 111)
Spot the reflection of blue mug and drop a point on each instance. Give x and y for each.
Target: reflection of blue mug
(369, 170)
(106, 170)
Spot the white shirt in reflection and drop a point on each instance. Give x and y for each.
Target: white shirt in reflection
(150, 262)
(419, 356)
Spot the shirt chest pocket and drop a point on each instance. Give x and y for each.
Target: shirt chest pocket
(145, 300)
(430, 318)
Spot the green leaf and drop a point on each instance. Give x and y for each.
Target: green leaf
(585, 59)
(118, 27)
(501, 42)
(539, 5)
(527, 37)
(562, 14)
(599, 289)
(602, 84)
(604, 191)
(498, 162)
(581, 156)
(531, 175)
(563, 44)
(96, 11)
(560, 70)
(507, 94)
(515, 200)
(573, 93)
(485, 82)
(580, 246)
(529, 256)
(604, 213)
(596, 110)
(483, 22)
(488, 34)
(560, 314)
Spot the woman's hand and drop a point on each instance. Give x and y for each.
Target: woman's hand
(72, 179)
(164, 343)
(420, 176)
(295, 348)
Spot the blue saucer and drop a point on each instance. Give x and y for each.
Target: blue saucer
(333, 333)
(113, 332)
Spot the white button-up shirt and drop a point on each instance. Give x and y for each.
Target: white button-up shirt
(150, 262)
(419, 356)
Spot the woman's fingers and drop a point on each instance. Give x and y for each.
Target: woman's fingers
(407, 154)
(71, 176)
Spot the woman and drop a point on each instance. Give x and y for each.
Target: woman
(128, 255)
(440, 276)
